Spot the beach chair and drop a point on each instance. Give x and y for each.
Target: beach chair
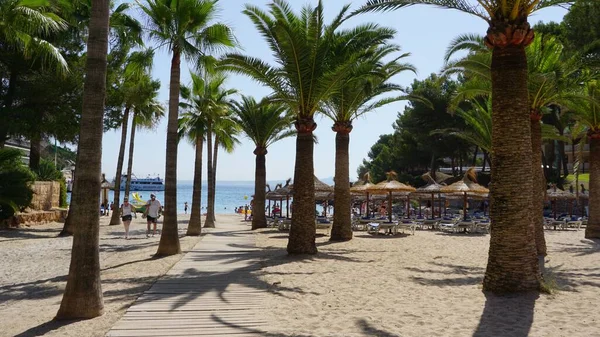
(411, 226)
(284, 225)
(374, 227)
(482, 225)
(324, 225)
(448, 224)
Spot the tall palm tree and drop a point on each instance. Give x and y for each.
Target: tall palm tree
(134, 79)
(357, 96)
(303, 78)
(553, 79)
(193, 124)
(147, 113)
(215, 104)
(590, 117)
(83, 292)
(512, 263)
(186, 28)
(264, 123)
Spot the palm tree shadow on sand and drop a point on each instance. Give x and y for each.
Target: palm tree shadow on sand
(507, 315)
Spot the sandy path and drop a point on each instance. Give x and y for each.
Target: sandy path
(424, 285)
(34, 264)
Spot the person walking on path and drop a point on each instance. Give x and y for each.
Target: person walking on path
(127, 211)
(153, 207)
(185, 207)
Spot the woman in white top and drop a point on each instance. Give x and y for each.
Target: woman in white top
(127, 211)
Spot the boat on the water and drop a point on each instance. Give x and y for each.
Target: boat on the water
(143, 184)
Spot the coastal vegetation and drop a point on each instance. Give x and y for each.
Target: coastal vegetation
(507, 95)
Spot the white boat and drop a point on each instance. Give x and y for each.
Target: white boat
(143, 184)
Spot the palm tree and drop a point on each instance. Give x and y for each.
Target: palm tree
(553, 79)
(225, 131)
(303, 78)
(25, 27)
(147, 112)
(193, 124)
(134, 79)
(264, 123)
(184, 26)
(215, 104)
(83, 292)
(512, 263)
(590, 118)
(357, 96)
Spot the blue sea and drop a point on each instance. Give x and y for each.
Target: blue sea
(229, 195)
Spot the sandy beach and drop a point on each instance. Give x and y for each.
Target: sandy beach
(34, 264)
(423, 285)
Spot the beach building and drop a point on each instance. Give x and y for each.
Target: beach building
(20, 144)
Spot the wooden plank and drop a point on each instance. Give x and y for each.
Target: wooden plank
(212, 291)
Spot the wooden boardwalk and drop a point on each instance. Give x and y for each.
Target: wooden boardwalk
(212, 291)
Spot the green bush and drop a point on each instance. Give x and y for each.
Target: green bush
(15, 181)
(62, 201)
(48, 172)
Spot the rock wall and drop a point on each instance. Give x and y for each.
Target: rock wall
(46, 195)
(33, 218)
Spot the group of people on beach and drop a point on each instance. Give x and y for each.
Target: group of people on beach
(151, 213)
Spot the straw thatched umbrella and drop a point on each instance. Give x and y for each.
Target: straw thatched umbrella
(104, 187)
(432, 188)
(390, 186)
(467, 186)
(555, 193)
(362, 188)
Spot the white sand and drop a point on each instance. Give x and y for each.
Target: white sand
(425, 285)
(422, 285)
(34, 264)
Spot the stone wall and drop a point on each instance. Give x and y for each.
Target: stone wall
(46, 195)
(34, 218)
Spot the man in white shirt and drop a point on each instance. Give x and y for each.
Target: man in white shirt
(153, 207)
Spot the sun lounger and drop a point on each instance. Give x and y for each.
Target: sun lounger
(324, 225)
(407, 225)
(374, 227)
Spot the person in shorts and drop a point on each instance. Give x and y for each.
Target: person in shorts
(153, 207)
(127, 212)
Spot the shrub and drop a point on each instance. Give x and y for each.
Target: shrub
(15, 181)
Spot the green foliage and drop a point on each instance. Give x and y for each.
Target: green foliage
(302, 44)
(48, 172)
(412, 149)
(15, 181)
(264, 122)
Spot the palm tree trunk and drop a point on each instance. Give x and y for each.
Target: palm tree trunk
(563, 158)
(210, 221)
(592, 230)
(35, 151)
(130, 160)
(303, 229)
(475, 155)
(116, 217)
(169, 237)
(260, 181)
(83, 292)
(214, 179)
(195, 224)
(539, 183)
(512, 262)
(342, 224)
(485, 159)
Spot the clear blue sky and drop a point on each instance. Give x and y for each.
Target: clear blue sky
(423, 31)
